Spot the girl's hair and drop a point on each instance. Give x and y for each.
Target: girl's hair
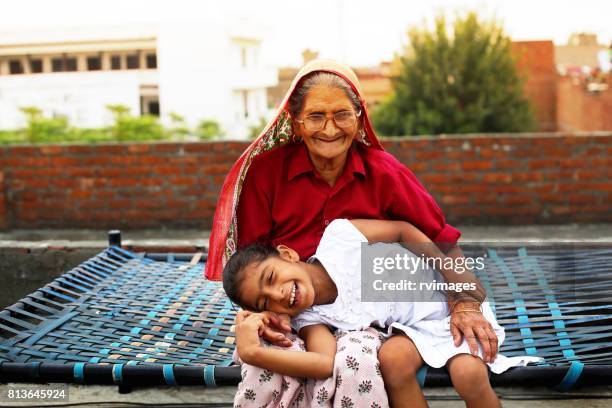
(233, 273)
(296, 100)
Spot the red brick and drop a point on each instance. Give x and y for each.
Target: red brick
(572, 163)
(560, 210)
(489, 153)
(582, 199)
(24, 173)
(434, 178)
(497, 178)
(455, 199)
(484, 199)
(77, 194)
(440, 166)
(138, 148)
(518, 199)
(542, 164)
(92, 204)
(215, 169)
(506, 188)
(167, 147)
(80, 172)
(110, 149)
(428, 155)
(109, 172)
(154, 160)
(168, 170)
(467, 212)
(64, 161)
(123, 182)
(81, 150)
(508, 164)
(476, 165)
(526, 177)
(118, 204)
(198, 147)
(24, 150)
(569, 187)
(52, 150)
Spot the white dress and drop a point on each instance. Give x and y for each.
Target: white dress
(426, 323)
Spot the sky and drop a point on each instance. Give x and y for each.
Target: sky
(357, 32)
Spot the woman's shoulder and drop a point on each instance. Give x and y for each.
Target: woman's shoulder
(276, 155)
(380, 161)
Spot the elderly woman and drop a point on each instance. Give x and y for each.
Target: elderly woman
(318, 160)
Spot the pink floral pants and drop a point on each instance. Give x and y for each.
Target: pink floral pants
(356, 381)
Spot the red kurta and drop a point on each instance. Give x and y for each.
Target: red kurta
(285, 201)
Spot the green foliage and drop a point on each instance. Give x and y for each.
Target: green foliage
(43, 130)
(256, 130)
(208, 129)
(179, 127)
(466, 82)
(126, 128)
(134, 128)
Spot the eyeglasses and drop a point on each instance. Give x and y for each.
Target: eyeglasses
(317, 121)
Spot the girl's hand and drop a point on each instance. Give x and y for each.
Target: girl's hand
(277, 324)
(249, 327)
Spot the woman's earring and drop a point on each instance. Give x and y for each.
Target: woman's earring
(362, 135)
(296, 138)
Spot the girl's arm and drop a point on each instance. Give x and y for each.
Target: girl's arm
(317, 362)
(418, 243)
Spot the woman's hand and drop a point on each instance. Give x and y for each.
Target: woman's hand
(277, 325)
(249, 327)
(473, 325)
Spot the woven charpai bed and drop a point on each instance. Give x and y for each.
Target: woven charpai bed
(145, 319)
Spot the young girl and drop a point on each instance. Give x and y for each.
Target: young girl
(324, 293)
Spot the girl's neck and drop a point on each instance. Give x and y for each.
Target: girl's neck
(324, 287)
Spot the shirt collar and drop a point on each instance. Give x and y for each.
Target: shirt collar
(300, 163)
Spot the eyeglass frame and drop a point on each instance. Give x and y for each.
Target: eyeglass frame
(333, 117)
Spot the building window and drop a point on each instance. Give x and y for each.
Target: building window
(116, 62)
(63, 64)
(94, 63)
(57, 65)
(133, 61)
(36, 66)
(15, 67)
(70, 64)
(151, 61)
(154, 108)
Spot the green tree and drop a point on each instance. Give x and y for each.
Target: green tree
(465, 81)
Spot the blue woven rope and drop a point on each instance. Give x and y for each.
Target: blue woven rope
(519, 302)
(209, 376)
(168, 371)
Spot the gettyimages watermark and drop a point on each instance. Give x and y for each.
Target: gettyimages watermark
(551, 272)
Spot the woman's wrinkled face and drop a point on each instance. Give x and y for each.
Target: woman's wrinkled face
(331, 142)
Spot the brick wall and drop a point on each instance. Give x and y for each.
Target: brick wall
(3, 214)
(482, 179)
(582, 110)
(536, 64)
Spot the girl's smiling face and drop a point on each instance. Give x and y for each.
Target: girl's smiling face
(278, 284)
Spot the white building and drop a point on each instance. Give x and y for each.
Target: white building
(199, 69)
